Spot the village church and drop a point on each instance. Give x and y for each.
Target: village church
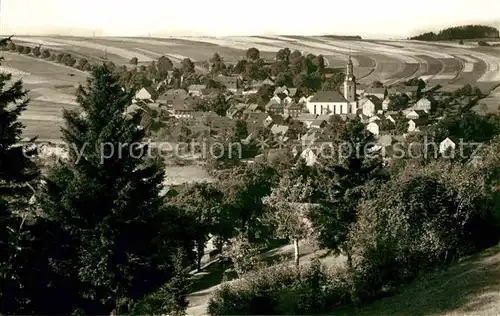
(332, 102)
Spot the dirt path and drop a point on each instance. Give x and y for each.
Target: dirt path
(210, 279)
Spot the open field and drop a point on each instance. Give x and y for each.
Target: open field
(389, 61)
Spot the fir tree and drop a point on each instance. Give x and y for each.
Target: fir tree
(106, 197)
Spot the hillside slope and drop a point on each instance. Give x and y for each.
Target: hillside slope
(471, 287)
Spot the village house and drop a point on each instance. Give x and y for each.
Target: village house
(416, 114)
(287, 100)
(146, 94)
(282, 89)
(264, 82)
(275, 99)
(171, 96)
(414, 125)
(373, 128)
(274, 107)
(232, 84)
(423, 104)
(394, 116)
(292, 110)
(378, 92)
(447, 144)
(262, 119)
(252, 108)
(409, 91)
(182, 109)
(280, 132)
(196, 89)
(371, 105)
(252, 90)
(318, 123)
(374, 118)
(304, 100)
(236, 111)
(306, 119)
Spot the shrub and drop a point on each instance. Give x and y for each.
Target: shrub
(242, 254)
(20, 49)
(66, 58)
(87, 67)
(46, 53)
(59, 57)
(27, 50)
(134, 61)
(82, 62)
(36, 51)
(11, 46)
(483, 43)
(71, 61)
(282, 290)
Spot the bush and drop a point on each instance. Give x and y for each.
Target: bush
(27, 50)
(71, 61)
(66, 58)
(483, 43)
(420, 221)
(82, 62)
(87, 67)
(59, 57)
(281, 290)
(36, 51)
(46, 53)
(20, 49)
(134, 61)
(11, 46)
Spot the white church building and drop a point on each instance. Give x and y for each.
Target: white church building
(332, 102)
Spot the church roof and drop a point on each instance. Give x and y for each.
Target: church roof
(328, 96)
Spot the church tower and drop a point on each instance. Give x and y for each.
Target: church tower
(350, 83)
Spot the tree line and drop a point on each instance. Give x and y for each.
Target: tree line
(459, 33)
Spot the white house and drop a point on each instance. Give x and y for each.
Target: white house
(275, 99)
(309, 156)
(416, 114)
(373, 128)
(146, 93)
(370, 105)
(304, 100)
(423, 104)
(446, 144)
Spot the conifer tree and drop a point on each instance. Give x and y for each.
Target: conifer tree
(16, 173)
(106, 197)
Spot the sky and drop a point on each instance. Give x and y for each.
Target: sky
(370, 19)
